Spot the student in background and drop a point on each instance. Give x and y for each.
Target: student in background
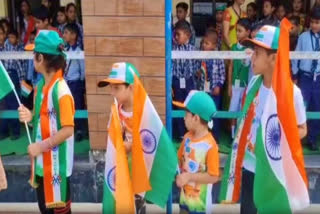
(252, 12)
(74, 76)
(295, 31)
(71, 12)
(219, 24)
(16, 71)
(6, 25)
(61, 19)
(42, 19)
(182, 12)
(269, 8)
(25, 21)
(297, 6)
(281, 11)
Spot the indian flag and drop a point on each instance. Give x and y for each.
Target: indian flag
(118, 196)
(26, 89)
(154, 160)
(280, 184)
(5, 82)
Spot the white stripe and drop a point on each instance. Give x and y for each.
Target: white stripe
(209, 204)
(4, 55)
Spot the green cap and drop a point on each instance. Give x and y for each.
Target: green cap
(221, 6)
(267, 37)
(121, 72)
(47, 42)
(199, 103)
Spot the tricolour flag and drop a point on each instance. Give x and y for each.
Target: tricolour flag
(280, 184)
(26, 89)
(118, 195)
(5, 82)
(154, 160)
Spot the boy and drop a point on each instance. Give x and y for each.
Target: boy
(252, 11)
(297, 6)
(182, 12)
(16, 71)
(269, 7)
(263, 59)
(238, 72)
(2, 38)
(74, 75)
(281, 11)
(183, 71)
(230, 18)
(220, 8)
(121, 81)
(307, 72)
(198, 155)
(42, 19)
(71, 13)
(294, 33)
(213, 75)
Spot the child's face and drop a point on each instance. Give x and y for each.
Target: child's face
(281, 12)
(182, 37)
(267, 8)
(181, 13)
(61, 18)
(12, 39)
(72, 14)
(208, 44)
(219, 16)
(2, 37)
(45, 3)
(297, 5)
(24, 8)
(261, 61)
(121, 92)
(294, 30)
(315, 25)
(41, 25)
(68, 36)
(242, 33)
(5, 27)
(189, 121)
(251, 12)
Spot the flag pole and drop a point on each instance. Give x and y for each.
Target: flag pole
(25, 122)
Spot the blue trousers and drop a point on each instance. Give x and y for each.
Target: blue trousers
(311, 94)
(11, 103)
(180, 94)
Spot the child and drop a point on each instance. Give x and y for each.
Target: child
(198, 155)
(269, 7)
(220, 8)
(182, 12)
(74, 76)
(213, 75)
(230, 18)
(281, 11)
(263, 59)
(294, 33)
(307, 72)
(238, 72)
(61, 19)
(53, 125)
(121, 81)
(252, 11)
(25, 21)
(16, 71)
(297, 6)
(183, 71)
(6, 25)
(2, 38)
(71, 13)
(42, 20)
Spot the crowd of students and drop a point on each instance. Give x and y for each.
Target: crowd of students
(22, 72)
(226, 80)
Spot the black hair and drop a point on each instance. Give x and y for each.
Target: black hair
(70, 5)
(21, 16)
(62, 10)
(6, 22)
(55, 62)
(286, 9)
(295, 20)
(183, 25)
(2, 29)
(253, 5)
(182, 5)
(244, 22)
(73, 28)
(42, 13)
(272, 2)
(13, 32)
(34, 32)
(210, 32)
(315, 13)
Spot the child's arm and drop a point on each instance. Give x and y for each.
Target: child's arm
(25, 114)
(230, 68)
(199, 178)
(302, 130)
(37, 148)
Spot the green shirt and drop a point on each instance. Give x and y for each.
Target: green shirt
(240, 72)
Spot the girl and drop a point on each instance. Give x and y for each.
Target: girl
(53, 124)
(61, 19)
(71, 12)
(26, 22)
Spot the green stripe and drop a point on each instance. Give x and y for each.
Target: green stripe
(62, 146)
(224, 182)
(163, 171)
(108, 202)
(270, 195)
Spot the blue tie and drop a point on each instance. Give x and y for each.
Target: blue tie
(316, 48)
